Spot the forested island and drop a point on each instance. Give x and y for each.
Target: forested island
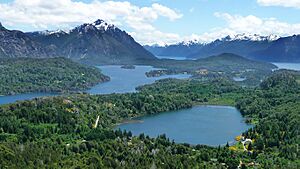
(128, 67)
(226, 65)
(76, 131)
(24, 75)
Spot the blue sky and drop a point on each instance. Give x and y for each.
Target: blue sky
(159, 21)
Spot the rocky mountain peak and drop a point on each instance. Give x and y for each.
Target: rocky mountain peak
(2, 27)
(102, 25)
(99, 24)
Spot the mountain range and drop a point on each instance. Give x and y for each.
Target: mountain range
(93, 43)
(103, 43)
(264, 48)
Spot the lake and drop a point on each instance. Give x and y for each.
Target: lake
(126, 80)
(171, 57)
(291, 66)
(122, 81)
(239, 79)
(209, 125)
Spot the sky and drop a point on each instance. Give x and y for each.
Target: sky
(158, 21)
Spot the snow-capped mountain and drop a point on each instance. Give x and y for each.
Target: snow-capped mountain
(102, 25)
(250, 37)
(252, 46)
(237, 37)
(95, 43)
(58, 31)
(98, 24)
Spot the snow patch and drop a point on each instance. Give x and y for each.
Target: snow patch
(250, 37)
(102, 25)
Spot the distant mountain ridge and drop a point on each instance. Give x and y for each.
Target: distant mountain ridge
(93, 43)
(15, 43)
(285, 49)
(264, 48)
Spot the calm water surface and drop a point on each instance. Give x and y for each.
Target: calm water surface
(239, 79)
(126, 80)
(291, 66)
(210, 125)
(27, 96)
(122, 81)
(172, 57)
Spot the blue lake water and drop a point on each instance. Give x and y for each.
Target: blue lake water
(209, 125)
(122, 81)
(18, 97)
(172, 57)
(239, 79)
(291, 66)
(126, 80)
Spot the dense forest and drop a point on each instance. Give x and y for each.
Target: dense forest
(62, 132)
(25, 75)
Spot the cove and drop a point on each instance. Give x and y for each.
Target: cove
(209, 125)
(122, 81)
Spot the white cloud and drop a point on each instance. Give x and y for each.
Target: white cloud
(166, 12)
(284, 3)
(253, 24)
(42, 14)
(237, 24)
(157, 37)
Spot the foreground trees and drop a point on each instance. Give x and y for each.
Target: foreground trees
(58, 132)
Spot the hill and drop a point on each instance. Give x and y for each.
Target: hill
(23, 75)
(225, 65)
(221, 62)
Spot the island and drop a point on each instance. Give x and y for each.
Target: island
(128, 67)
(225, 65)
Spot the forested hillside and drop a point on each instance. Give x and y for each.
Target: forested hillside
(23, 75)
(61, 132)
(226, 65)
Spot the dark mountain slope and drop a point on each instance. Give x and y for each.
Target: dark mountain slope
(283, 50)
(95, 43)
(17, 44)
(239, 47)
